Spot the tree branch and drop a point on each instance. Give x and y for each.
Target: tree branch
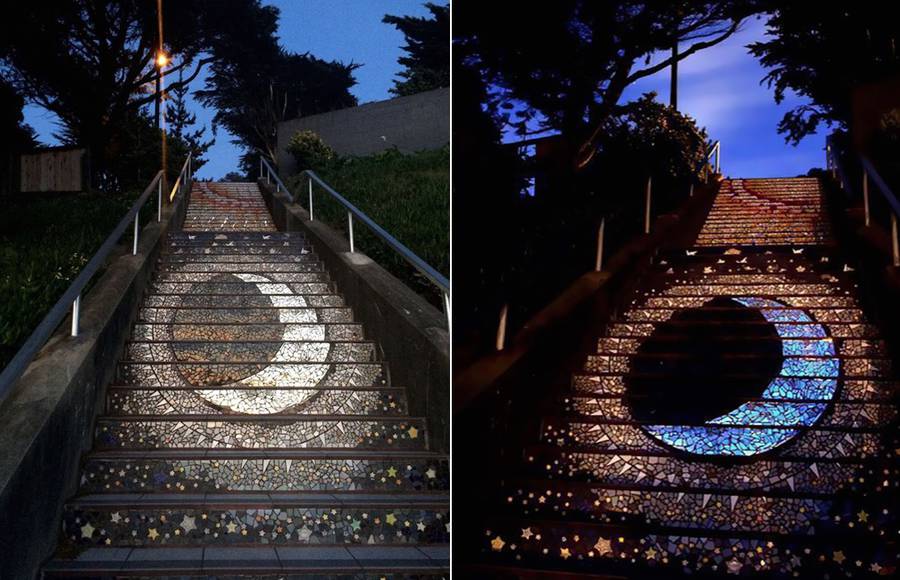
(176, 85)
(682, 55)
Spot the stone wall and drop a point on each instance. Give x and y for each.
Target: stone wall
(412, 123)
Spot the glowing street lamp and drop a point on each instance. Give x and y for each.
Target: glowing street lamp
(161, 61)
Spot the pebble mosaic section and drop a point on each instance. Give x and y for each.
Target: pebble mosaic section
(798, 480)
(247, 376)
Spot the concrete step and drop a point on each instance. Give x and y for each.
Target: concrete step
(269, 258)
(421, 562)
(237, 470)
(262, 269)
(260, 432)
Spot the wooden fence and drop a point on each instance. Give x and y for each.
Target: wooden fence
(53, 170)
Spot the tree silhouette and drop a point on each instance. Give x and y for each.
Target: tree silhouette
(823, 53)
(179, 121)
(427, 65)
(569, 62)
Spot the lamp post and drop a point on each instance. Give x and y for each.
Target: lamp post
(161, 61)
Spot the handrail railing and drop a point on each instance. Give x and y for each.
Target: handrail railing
(72, 296)
(717, 150)
(435, 277)
(832, 159)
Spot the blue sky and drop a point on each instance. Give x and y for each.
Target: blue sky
(345, 30)
(720, 87)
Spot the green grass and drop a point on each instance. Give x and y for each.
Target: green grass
(44, 244)
(407, 195)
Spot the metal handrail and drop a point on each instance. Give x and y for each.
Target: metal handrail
(435, 277)
(832, 159)
(717, 150)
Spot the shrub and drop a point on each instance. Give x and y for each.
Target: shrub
(310, 151)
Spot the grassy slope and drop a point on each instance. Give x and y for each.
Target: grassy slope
(44, 243)
(407, 195)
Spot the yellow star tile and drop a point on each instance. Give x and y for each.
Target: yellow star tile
(527, 533)
(603, 546)
(413, 432)
(152, 533)
(564, 553)
(391, 519)
(497, 544)
(392, 472)
(839, 557)
(863, 516)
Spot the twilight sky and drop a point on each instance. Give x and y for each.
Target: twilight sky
(345, 30)
(720, 88)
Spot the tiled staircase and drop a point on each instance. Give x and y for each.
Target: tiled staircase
(737, 418)
(253, 431)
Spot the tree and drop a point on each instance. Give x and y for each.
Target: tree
(179, 120)
(570, 62)
(427, 65)
(15, 135)
(91, 62)
(823, 52)
(254, 91)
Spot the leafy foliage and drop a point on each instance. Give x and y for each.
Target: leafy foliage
(309, 151)
(427, 65)
(34, 273)
(823, 52)
(408, 195)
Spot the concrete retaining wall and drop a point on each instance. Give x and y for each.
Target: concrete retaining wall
(411, 332)
(48, 421)
(414, 123)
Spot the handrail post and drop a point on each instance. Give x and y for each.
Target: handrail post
(76, 314)
(311, 218)
(260, 167)
(895, 244)
(718, 154)
(866, 194)
(350, 224)
(159, 200)
(691, 190)
(447, 307)
(647, 205)
(598, 265)
(137, 219)
(500, 343)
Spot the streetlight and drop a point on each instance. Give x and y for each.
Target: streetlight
(161, 61)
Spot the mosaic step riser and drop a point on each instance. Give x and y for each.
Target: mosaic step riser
(245, 301)
(579, 547)
(781, 476)
(259, 269)
(262, 332)
(236, 236)
(261, 374)
(874, 390)
(789, 347)
(262, 474)
(136, 402)
(773, 315)
(273, 258)
(314, 284)
(798, 301)
(244, 315)
(687, 512)
(732, 289)
(812, 443)
(193, 526)
(220, 278)
(243, 251)
(640, 330)
(254, 432)
(654, 364)
(239, 351)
